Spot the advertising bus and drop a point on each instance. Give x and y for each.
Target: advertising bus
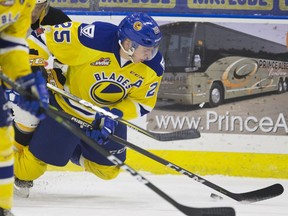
(208, 63)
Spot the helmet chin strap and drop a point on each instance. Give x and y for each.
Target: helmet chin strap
(130, 52)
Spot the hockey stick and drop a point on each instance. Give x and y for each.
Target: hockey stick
(247, 197)
(51, 112)
(177, 135)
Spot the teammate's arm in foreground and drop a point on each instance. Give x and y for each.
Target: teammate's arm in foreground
(14, 62)
(24, 123)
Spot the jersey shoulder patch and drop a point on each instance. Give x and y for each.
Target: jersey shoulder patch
(98, 35)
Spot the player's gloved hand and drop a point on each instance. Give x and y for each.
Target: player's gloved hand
(12, 95)
(5, 111)
(36, 84)
(106, 126)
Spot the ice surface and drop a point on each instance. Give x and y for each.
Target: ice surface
(81, 193)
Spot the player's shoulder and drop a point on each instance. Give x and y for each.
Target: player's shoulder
(157, 64)
(55, 16)
(19, 7)
(28, 4)
(98, 35)
(55, 11)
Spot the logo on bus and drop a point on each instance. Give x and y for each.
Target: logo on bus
(242, 70)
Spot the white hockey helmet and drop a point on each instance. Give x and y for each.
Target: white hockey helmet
(41, 9)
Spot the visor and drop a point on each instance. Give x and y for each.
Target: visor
(40, 1)
(150, 52)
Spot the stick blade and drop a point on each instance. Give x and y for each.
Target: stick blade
(214, 211)
(178, 135)
(261, 194)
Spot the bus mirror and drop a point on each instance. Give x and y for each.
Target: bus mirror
(197, 61)
(196, 64)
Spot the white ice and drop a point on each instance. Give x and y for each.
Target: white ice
(83, 194)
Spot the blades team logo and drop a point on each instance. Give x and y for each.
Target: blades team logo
(107, 92)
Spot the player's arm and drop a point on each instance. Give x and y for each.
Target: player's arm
(14, 47)
(15, 62)
(140, 101)
(61, 41)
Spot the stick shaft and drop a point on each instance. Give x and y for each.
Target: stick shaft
(178, 135)
(251, 196)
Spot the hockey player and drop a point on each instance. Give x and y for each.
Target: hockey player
(43, 14)
(14, 62)
(116, 67)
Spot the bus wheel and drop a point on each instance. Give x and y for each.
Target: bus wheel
(216, 95)
(280, 86)
(285, 86)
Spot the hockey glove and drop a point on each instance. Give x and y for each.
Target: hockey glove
(5, 112)
(36, 84)
(106, 126)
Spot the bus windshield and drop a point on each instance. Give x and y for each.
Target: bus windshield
(176, 46)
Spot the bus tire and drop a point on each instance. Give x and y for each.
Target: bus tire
(280, 86)
(285, 85)
(216, 95)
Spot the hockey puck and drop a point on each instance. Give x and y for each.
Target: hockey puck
(215, 196)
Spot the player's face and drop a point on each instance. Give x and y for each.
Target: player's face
(37, 11)
(142, 53)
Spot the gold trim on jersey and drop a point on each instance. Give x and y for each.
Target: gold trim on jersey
(53, 79)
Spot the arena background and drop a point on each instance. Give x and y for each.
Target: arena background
(258, 153)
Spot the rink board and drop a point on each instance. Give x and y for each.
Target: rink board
(207, 163)
(212, 154)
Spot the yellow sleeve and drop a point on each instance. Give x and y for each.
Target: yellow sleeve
(41, 49)
(14, 60)
(20, 28)
(62, 42)
(140, 101)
